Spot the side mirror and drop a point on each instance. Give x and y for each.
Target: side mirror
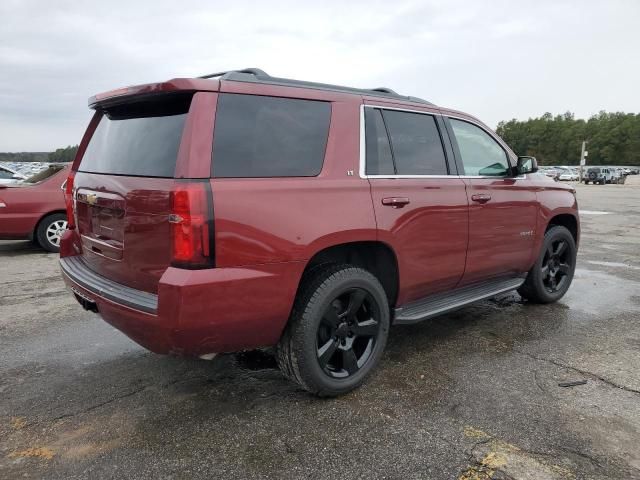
(527, 164)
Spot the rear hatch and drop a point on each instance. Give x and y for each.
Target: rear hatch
(123, 190)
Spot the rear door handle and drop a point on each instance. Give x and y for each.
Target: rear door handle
(481, 197)
(395, 202)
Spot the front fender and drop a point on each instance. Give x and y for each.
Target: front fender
(554, 202)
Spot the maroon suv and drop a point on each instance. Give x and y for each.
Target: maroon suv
(240, 210)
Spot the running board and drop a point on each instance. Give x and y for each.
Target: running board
(446, 302)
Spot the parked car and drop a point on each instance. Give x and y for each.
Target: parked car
(600, 175)
(9, 175)
(34, 208)
(618, 175)
(313, 219)
(568, 175)
(550, 172)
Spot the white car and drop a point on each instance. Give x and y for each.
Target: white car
(568, 175)
(8, 175)
(618, 175)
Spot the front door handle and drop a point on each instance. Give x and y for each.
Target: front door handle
(395, 202)
(481, 197)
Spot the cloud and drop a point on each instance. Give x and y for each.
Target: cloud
(497, 60)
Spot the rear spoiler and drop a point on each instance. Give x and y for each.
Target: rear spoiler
(125, 94)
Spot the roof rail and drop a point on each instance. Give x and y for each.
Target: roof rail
(256, 75)
(253, 71)
(384, 90)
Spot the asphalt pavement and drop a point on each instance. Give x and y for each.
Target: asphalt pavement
(470, 395)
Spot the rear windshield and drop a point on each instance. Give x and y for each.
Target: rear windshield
(257, 136)
(140, 139)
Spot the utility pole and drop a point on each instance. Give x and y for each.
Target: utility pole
(583, 158)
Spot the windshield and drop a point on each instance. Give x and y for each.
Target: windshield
(4, 173)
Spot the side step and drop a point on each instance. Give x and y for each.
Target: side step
(446, 302)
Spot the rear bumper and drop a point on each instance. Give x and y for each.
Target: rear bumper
(75, 269)
(195, 311)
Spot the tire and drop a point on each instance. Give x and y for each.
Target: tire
(558, 254)
(50, 230)
(314, 350)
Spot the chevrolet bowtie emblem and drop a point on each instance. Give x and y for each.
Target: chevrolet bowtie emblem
(92, 198)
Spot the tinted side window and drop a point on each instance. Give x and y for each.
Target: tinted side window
(258, 136)
(415, 142)
(481, 154)
(378, 151)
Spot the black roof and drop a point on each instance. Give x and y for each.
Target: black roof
(255, 75)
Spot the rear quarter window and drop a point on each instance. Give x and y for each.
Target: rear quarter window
(258, 136)
(138, 139)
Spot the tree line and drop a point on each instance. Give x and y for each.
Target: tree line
(67, 154)
(24, 156)
(613, 138)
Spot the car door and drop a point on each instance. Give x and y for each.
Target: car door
(421, 210)
(502, 208)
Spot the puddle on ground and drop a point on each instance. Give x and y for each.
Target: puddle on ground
(256, 360)
(593, 212)
(613, 264)
(600, 293)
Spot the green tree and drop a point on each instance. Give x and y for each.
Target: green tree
(614, 138)
(67, 154)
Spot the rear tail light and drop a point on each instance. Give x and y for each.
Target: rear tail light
(191, 223)
(68, 200)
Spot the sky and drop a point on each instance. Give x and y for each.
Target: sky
(497, 60)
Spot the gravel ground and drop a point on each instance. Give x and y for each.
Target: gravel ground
(470, 395)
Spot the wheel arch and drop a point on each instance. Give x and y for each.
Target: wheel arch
(34, 232)
(567, 220)
(374, 256)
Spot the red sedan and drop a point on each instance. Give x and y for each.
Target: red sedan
(34, 209)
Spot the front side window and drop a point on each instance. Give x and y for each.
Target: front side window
(415, 143)
(258, 136)
(480, 153)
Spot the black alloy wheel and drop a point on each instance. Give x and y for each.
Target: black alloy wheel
(556, 265)
(337, 331)
(551, 275)
(347, 333)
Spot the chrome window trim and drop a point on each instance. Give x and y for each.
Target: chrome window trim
(409, 110)
(363, 149)
(363, 152)
(363, 144)
(413, 176)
